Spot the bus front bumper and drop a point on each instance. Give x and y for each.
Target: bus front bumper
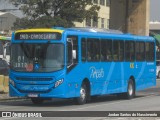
(55, 93)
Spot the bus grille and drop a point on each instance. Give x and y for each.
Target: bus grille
(34, 79)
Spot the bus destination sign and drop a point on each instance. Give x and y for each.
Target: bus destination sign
(38, 36)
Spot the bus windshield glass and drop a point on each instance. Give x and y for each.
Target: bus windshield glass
(37, 57)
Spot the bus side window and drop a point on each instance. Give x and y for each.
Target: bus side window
(93, 49)
(96, 50)
(106, 50)
(83, 49)
(150, 48)
(89, 49)
(129, 51)
(140, 51)
(121, 51)
(118, 49)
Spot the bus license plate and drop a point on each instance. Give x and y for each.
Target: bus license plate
(32, 95)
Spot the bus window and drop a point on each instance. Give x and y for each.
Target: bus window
(140, 51)
(129, 51)
(115, 50)
(150, 51)
(83, 49)
(121, 51)
(89, 50)
(106, 50)
(96, 50)
(93, 50)
(118, 50)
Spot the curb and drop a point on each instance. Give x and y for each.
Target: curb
(13, 99)
(5, 97)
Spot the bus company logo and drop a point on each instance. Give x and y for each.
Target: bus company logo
(96, 73)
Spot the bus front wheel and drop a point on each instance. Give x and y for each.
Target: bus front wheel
(37, 100)
(83, 95)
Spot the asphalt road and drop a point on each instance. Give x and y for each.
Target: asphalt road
(147, 100)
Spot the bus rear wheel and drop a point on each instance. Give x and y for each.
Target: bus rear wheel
(130, 90)
(37, 100)
(83, 95)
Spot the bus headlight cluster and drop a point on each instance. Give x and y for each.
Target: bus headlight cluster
(58, 82)
(12, 82)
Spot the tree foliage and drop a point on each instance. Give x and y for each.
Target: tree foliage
(49, 13)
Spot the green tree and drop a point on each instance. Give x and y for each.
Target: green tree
(49, 13)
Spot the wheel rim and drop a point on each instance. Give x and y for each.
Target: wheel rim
(83, 93)
(130, 89)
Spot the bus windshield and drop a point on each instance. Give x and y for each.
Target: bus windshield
(37, 57)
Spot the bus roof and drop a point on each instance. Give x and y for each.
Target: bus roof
(110, 33)
(89, 30)
(95, 30)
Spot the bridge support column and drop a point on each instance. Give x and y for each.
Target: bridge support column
(130, 16)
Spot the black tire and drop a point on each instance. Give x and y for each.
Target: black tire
(130, 90)
(37, 100)
(83, 95)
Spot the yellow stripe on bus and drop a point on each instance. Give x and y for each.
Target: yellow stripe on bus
(39, 30)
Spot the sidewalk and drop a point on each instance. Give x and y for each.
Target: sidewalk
(4, 97)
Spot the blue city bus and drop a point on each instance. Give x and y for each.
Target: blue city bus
(80, 63)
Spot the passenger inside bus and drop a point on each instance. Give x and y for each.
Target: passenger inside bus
(108, 55)
(88, 56)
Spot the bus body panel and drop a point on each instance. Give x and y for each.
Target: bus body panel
(104, 77)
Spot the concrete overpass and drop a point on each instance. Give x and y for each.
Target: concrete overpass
(130, 16)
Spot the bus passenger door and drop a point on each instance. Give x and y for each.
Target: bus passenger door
(72, 62)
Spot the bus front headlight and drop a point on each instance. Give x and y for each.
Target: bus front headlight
(58, 82)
